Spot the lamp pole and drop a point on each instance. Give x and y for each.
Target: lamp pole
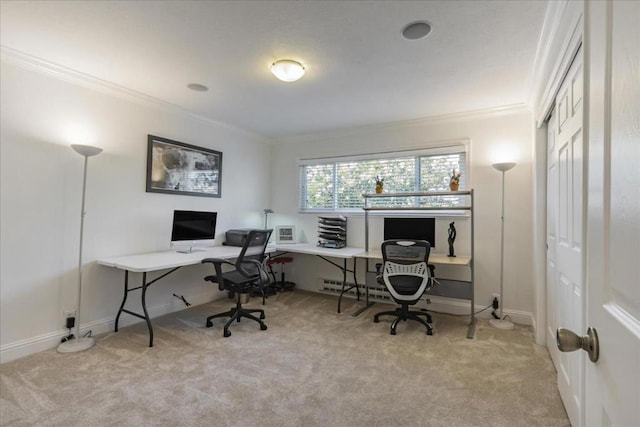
(79, 344)
(266, 215)
(502, 322)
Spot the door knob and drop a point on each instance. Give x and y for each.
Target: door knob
(567, 340)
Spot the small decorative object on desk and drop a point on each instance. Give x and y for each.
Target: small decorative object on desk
(332, 232)
(454, 182)
(379, 184)
(452, 238)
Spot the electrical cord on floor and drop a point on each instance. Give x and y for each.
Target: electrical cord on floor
(457, 315)
(182, 298)
(68, 337)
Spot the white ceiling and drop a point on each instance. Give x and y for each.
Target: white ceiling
(360, 70)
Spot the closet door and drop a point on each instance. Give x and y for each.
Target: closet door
(565, 234)
(552, 232)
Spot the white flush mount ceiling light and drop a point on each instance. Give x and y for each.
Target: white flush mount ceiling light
(287, 70)
(416, 30)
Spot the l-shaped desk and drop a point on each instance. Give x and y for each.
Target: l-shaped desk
(172, 261)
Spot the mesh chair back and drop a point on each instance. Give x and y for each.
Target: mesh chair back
(405, 270)
(253, 250)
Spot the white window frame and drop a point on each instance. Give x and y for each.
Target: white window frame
(457, 146)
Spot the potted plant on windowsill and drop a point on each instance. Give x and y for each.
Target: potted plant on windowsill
(454, 182)
(379, 184)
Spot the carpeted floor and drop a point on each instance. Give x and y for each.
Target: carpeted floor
(312, 367)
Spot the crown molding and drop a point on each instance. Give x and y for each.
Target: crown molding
(25, 61)
(550, 28)
(560, 40)
(484, 113)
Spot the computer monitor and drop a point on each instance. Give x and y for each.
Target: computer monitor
(411, 228)
(193, 229)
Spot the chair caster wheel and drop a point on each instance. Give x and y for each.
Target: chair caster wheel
(226, 334)
(262, 316)
(376, 320)
(263, 327)
(392, 332)
(209, 324)
(429, 332)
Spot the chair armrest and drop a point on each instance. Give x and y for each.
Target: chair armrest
(262, 271)
(217, 264)
(216, 261)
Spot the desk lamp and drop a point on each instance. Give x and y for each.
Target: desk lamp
(79, 344)
(502, 322)
(266, 214)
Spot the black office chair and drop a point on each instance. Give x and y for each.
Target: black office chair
(249, 274)
(407, 275)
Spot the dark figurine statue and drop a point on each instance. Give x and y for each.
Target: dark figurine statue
(452, 238)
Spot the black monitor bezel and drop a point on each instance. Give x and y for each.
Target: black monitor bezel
(412, 228)
(196, 215)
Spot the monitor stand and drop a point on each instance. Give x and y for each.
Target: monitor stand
(191, 250)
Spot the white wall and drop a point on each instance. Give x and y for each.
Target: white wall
(498, 136)
(41, 183)
(41, 186)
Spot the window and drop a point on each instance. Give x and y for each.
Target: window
(337, 184)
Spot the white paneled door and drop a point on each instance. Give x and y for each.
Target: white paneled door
(613, 226)
(552, 225)
(565, 233)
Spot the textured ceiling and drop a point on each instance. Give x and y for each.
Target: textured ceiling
(360, 71)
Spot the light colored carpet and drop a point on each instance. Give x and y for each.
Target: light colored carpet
(312, 367)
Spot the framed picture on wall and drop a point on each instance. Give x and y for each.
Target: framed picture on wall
(285, 234)
(177, 168)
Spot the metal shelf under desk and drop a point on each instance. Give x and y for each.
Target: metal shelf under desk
(448, 288)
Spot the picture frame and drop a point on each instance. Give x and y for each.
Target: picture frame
(286, 234)
(174, 167)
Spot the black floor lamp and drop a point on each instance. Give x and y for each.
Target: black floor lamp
(79, 344)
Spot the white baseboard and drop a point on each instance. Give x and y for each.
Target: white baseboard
(22, 348)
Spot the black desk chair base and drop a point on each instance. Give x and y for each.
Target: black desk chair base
(403, 313)
(237, 313)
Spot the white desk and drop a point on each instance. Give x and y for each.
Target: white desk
(345, 254)
(141, 263)
(312, 249)
(155, 261)
(434, 258)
